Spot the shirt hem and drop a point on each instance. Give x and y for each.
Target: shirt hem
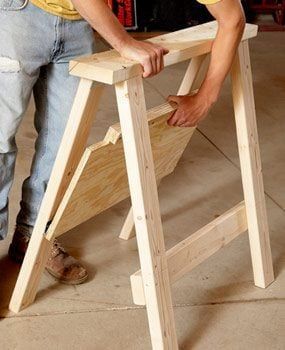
(71, 17)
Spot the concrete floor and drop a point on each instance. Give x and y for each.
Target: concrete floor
(217, 305)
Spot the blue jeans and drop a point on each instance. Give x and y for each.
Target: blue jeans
(35, 48)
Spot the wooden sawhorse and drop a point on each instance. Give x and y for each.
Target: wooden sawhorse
(87, 181)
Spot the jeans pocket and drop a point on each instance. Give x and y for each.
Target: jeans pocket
(13, 5)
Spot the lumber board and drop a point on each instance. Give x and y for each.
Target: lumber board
(100, 180)
(147, 217)
(72, 147)
(194, 75)
(198, 247)
(128, 230)
(251, 168)
(70, 151)
(110, 68)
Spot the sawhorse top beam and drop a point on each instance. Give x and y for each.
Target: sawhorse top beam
(110, 68)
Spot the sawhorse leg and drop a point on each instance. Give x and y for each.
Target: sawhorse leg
(143, 188)
(69, 154)
(251, 168)
(128, 230)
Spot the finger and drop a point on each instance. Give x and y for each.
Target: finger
(154, 63)
(161, 54)
(173, 104)
(162, 63)
(179, 118)
(159, 60)
(179, 122)
(185, 125)
(147, 68)
(171, 119)
(174, 120)
(188, 124)
(173, 98)
(165, 51)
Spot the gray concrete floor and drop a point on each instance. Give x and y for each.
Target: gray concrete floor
(217, 305)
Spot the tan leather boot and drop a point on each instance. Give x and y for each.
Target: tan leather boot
(65, 268)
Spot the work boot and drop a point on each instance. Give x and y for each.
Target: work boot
(60, 264)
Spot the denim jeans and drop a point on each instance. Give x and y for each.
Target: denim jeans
(35, 48)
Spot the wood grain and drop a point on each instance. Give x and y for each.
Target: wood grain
(69, 154)
(110, 68)
(251, 168)
(100, 180)
(198, 247)
(144, 196)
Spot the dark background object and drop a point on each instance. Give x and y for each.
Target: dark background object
(170, 15)
(273, 7)
(125, 10)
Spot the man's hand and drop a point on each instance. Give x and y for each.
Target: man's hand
(149, 55)
(190, 110)
(102, 19)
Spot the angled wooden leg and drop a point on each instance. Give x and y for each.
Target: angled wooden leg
(143, 188)
(251, 168)
(128, 229)
(69, 154)
(192, 79)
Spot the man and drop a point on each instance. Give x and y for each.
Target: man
(38, 38)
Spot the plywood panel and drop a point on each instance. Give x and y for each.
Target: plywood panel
(101, 180)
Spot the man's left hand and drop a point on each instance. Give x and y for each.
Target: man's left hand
(190, 110)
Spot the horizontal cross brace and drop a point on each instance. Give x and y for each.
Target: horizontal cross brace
(199, 246)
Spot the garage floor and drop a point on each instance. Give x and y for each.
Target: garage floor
(217, 305)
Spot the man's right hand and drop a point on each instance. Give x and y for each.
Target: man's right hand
(149, 55)
(103, 20)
